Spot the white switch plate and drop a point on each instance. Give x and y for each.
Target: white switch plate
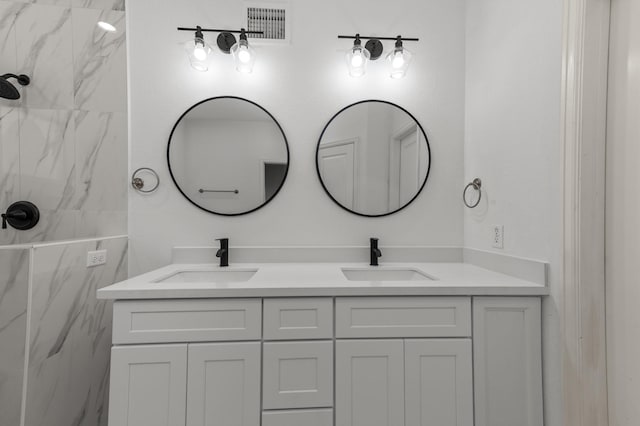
(95, 258)
(498, 236)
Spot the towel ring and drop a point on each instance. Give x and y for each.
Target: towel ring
(138, 183)
(477, 185)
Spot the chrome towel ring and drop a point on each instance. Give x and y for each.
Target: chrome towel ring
(138, 183)
(477, 185)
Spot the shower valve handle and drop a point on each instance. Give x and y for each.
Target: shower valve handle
(21, 215)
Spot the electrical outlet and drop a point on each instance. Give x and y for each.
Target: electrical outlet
(498, 236)
(95, 258)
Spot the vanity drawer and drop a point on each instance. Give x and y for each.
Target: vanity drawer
(298, 319)
(197, 320)
(298, 417)
(403, 317)
(297, 375)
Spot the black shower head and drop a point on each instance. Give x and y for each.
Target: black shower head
(8, 90)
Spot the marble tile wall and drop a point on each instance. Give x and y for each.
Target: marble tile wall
(63, 145)
(70, 334)
(14, 284)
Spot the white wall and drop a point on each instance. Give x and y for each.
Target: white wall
(512, 129)
(513, 144)
(302, 85)
(623, 215)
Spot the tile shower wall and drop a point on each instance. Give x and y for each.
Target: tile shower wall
(63, 145)
(14, 280)
(69, 333)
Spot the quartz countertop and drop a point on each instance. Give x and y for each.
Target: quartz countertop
(323, 279)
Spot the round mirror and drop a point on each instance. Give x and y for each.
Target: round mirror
(228, 155)
(373, 158)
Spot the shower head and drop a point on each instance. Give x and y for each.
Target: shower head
(8, 90)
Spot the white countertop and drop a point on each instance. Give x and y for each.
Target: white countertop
(323, 279)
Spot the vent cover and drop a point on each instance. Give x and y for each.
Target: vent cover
(270, 18)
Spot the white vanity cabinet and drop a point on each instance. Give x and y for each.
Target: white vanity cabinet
(507, 361)
(369, 383)
(192, 384)
(327, 361)
(148, 385)
(404, 372)
(223, 384)
(212, 376)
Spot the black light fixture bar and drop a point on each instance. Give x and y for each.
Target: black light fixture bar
(213, 30)
(353, 37)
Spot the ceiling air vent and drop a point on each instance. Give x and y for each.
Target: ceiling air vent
(270, 18)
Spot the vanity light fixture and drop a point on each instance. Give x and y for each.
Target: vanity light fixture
(198, 50)
(358, 57)
(399, 60)
(243, 54)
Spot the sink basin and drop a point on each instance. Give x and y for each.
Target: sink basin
(212, 276)
(385, 274)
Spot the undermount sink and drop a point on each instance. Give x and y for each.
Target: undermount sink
(385, 274)
(213, 276)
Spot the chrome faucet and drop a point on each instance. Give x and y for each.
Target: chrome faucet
(223, 251)
(374, 251)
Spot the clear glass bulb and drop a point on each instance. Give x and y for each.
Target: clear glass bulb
(199, 53)
(357, 58)
(398, 60)
(244, 55)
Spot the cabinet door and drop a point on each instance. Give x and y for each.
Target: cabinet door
(507, 361)
(224, 384)
(297, 375)
(438, 382)
(148, 384)
(369, 383)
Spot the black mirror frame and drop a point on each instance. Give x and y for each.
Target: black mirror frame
(426, 139)
(286, 143)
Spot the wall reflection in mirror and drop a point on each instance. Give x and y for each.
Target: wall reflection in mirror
(228, 156)
(373, 158)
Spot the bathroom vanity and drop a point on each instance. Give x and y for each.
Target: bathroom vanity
(447, 344)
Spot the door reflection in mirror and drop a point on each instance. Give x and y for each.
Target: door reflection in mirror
(373, 158)
(228, 156)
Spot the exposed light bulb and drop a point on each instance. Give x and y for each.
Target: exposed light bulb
(398, 60)
(107, 26)
(357, 60)
(199, 53)
(244, 55)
